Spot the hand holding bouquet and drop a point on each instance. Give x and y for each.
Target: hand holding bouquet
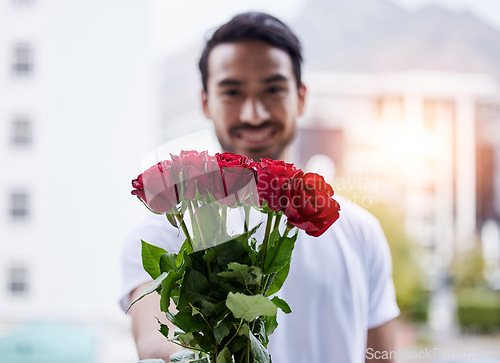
(223, 283)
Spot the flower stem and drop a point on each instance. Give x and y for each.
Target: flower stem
(194, 225)
(266, 238)
(223, 220)
(247, 353)
(277, 221)
(184, 228)
(235, 334)
(196, 222)
(247, 217)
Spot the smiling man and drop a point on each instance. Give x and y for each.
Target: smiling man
(253, 98)
(340, 286)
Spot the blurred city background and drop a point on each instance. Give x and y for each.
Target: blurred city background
(403, 117)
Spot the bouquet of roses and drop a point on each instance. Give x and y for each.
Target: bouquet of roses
(223, 281)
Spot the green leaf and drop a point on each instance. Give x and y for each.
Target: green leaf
(270, 324)
(194, 289)
(168, 262)
(163, 329)
(221, 330)
(187, 322)
(203, 341)
(279, 254)
(149, 289)
(243, 240)
(202, 360)
(231, 251)
(166, 288)
(174, 294)
(224, 356)
(274, 238)
(171, 219)
(244, 274)
(181, 356)
(279, 280)
(259, 329)
(210, 255)
(151, 259)
(177, 331)
(170, 317)
(280, 303)
(259, 352)
(185, 338)
(186, 248)
(253, 244)
(249, 307)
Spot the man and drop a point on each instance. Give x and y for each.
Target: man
(340, 287)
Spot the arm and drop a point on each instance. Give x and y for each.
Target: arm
(380, 339)
(149, 341)
(382, 299)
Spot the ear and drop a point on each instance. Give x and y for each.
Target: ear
(301, 98)
(204, 103)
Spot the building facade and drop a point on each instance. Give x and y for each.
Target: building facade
(425, 141)
(76, 118)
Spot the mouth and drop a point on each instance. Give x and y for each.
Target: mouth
(255, 137)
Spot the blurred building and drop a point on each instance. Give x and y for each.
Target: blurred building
(428, 142)
(73, 90)
(21, 113)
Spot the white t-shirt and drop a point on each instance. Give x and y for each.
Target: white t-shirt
(339, 286)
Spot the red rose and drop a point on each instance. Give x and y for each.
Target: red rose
(156, 187)
(272, 176)
(237, 173)
(310, 205)
(199, 171)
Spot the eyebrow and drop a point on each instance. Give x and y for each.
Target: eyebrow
(276, 78)
(230, 82)
(235, 82)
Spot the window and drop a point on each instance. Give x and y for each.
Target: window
(391, 109)
(19, 205)
(21, 133)
(17, 283)
(22, 64)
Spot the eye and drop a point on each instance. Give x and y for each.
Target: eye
(231, 92)
(275, 90)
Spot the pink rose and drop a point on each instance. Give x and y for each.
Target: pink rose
(156, 187)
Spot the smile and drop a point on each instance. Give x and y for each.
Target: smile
(256, 137)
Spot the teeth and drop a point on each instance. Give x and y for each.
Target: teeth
(255, 136)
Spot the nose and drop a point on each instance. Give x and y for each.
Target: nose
(254, 112)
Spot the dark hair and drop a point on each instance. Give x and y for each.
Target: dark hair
(254, 26)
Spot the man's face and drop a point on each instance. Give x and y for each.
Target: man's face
(252, 98)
